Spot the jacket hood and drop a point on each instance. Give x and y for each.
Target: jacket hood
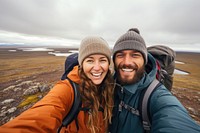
(148, 77)
(73, 75)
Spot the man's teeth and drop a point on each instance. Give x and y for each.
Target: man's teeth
(127, 70)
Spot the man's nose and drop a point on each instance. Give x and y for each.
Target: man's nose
(127, 60)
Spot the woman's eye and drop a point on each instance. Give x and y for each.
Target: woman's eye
(89, 61)
(103, 60)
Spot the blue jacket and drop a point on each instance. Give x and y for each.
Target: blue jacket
(167, 114)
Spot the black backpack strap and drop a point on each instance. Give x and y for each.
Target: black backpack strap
(76, 121)
(144, 105)
(128, 108)
(75, 107)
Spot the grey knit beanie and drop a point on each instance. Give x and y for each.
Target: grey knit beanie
(131, 40)
(93, 45)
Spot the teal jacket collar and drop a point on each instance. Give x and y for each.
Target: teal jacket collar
(146, 79)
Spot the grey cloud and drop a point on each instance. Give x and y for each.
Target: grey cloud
(180, 16)
(160, 21)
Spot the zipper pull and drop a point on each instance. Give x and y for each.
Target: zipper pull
(120, 106)
(122, 90)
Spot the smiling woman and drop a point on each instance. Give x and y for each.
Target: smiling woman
(96, 88)
(96, 67)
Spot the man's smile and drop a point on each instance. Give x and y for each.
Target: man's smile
(127, 70)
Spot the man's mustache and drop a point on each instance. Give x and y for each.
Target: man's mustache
(130, 66)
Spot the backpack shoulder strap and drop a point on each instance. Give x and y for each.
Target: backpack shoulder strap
(144, 105)
(75, 106)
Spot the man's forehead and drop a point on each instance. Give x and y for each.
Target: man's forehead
(128, 50)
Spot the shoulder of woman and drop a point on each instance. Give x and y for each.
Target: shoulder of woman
(63, 89)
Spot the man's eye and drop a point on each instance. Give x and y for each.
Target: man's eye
(135, 55)
(119, 55)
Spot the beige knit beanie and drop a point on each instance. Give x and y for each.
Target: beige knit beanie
(93, 45)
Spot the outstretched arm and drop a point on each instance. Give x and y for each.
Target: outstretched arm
(169, 115)
(46, 115)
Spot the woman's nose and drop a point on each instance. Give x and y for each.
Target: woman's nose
(97, 65)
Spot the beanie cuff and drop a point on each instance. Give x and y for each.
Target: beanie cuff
(131, 45)
(94, 48)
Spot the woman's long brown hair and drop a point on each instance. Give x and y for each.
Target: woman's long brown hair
(95, 97)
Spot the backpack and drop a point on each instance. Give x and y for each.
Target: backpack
(70, 62)
(165, 61)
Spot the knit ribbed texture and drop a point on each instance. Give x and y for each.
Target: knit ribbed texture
(93, 45)
(131, 40)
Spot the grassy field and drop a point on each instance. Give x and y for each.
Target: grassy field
(192, 65)
(20, 65)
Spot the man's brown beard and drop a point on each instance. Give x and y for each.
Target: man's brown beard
(138, 74)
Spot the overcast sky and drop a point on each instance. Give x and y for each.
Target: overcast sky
(66, 22)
